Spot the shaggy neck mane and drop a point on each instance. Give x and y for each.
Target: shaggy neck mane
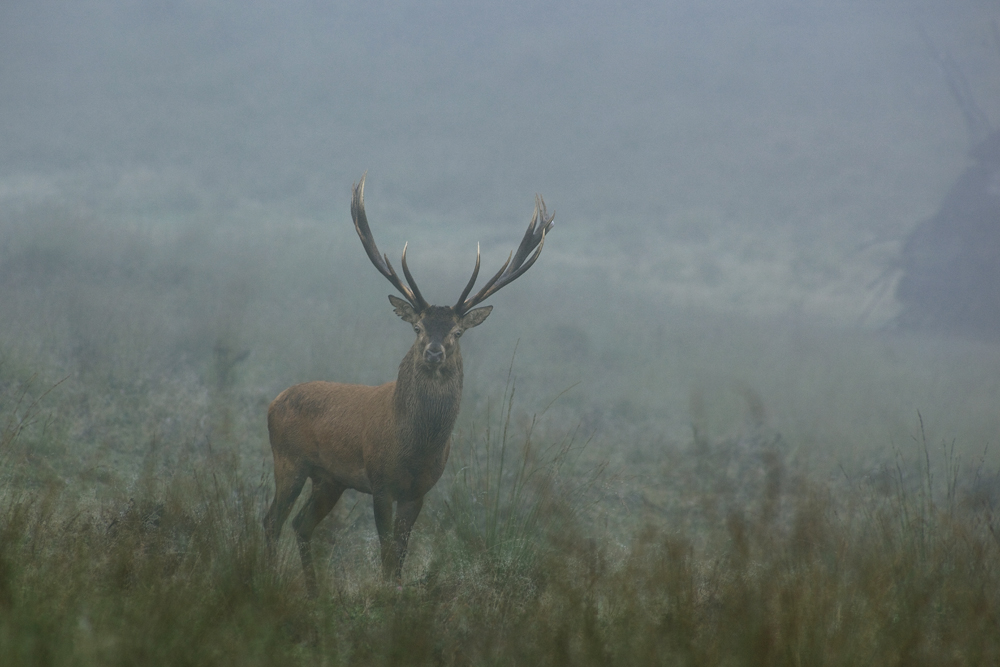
(427, 402)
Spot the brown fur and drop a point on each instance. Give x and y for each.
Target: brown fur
(391, 441)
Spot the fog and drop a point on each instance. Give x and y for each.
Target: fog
(732, 184)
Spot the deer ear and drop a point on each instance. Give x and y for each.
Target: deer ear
(404, 309)
(475, 317)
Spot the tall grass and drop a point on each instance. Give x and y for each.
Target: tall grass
(506, 488)
(513, 571)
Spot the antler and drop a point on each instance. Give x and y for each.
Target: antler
(381, 262)
(515, 265)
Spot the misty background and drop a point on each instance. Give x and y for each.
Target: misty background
(732, 182)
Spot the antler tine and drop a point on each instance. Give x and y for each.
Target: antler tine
(472, 282)
(515, 266)
(380, 261)
(421, 302)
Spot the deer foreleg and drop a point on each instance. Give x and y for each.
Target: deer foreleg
(382, 503)
(406, 515)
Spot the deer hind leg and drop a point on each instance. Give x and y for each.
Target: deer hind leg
(288, 483)
(324, 496)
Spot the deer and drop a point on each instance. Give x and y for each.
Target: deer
(391, 441)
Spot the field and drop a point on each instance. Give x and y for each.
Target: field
(588, 516)
(689, 434)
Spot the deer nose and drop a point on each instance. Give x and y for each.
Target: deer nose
(434, 354)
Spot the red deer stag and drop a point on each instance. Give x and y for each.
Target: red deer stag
(391, 441)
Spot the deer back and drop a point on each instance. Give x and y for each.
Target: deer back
(336, 430)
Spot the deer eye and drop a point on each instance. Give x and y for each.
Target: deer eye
(416, 329)
(458, 333)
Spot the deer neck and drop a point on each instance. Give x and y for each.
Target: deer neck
(427, 399)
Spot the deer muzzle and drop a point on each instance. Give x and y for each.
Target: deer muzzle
(434, 353)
